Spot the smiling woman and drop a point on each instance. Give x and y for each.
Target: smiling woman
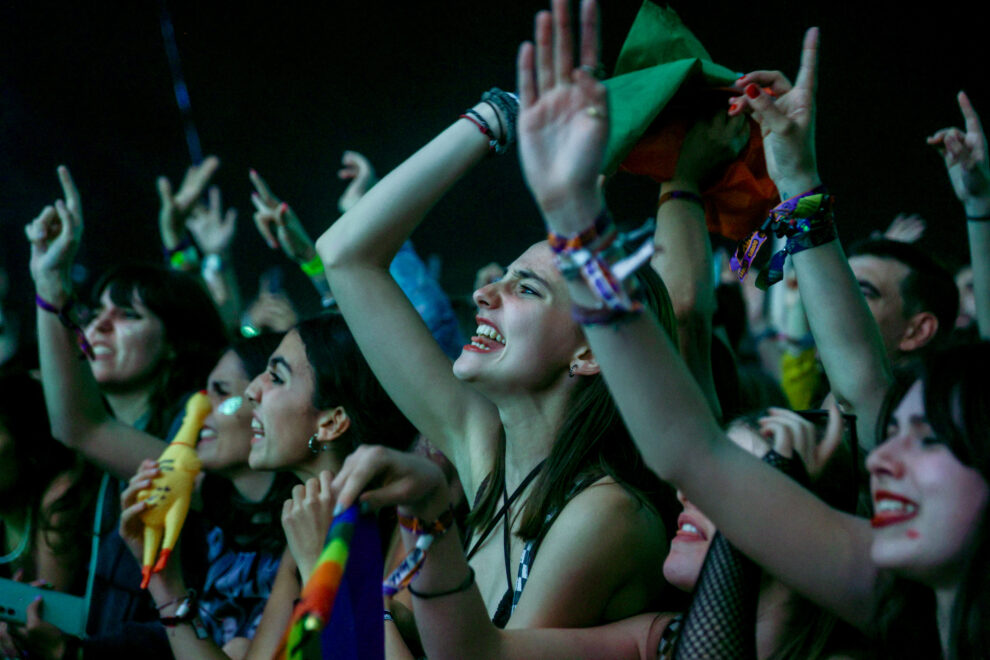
(523, 415)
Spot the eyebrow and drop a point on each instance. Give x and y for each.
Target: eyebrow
(526, 274)
(279, 360)
(871, 290)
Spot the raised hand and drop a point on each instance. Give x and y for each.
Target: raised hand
(278, 223)
(361, 174)
(176, 207)
(54, 236)
(905, 228)
(790, 433)
(787, 119)
(212, 229)
(306, 518)
(563, 118)
(415, 484)
(966, 159)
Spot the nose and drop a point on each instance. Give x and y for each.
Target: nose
(254, 388)
(886, 459)
(682, 498)
(488, 296)
(102, 322)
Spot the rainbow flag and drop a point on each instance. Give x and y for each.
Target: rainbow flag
(339, 614)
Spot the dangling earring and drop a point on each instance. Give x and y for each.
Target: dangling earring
(315, 446)
(570, 371)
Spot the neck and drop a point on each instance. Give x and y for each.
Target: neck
(531, 424)
(945, 598)
(252, 485)
(129, 407)
(325, 460)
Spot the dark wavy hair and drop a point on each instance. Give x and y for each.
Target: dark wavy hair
(343, 378)
(193, 330)
(39, 459)
(957, 406)
(250, 525)
(592, 443)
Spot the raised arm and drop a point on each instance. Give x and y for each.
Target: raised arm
(845, 332)
(76, 412)
(213, 230)
(683, 256)
(756, 508)
(357, 251)
(968, 162)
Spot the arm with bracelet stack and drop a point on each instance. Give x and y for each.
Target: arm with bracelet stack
(844, 331)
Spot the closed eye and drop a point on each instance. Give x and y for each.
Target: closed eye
(274, 377)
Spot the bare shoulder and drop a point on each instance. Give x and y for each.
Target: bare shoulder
(604, 550)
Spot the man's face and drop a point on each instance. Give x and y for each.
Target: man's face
(880, 281)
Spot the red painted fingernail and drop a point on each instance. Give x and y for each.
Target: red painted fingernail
(733, 108)
(283, 207)
(752, 91)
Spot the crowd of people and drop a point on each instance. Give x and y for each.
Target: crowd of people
(639, 452)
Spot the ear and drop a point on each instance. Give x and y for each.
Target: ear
(921, 329)
(583, 363)
(333, 424)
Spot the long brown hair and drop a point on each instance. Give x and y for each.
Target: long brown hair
(592, 443)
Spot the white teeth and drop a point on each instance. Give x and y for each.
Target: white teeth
(207, 434)
(256, 425)
(689, 528)
(886, 505)
(101, 350)
(485, 330)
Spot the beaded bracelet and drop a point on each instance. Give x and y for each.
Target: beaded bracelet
(64, 316)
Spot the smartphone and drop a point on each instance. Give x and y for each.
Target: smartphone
(65, 611)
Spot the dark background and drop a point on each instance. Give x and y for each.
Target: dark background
(287, 89)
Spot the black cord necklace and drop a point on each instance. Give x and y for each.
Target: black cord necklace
(507, 501)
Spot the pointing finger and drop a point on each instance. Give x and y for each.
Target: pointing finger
(808, 73)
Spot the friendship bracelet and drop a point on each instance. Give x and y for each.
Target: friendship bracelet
(313, 267)
(680, 194)
(475, 118)
(599, 230)
(67, 321)
(463, 586)
(437, 528)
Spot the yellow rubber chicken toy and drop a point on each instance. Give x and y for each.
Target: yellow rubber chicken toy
(169, 495)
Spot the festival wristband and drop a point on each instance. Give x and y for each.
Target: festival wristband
(313, 267)
(680, 194)
(67, 321)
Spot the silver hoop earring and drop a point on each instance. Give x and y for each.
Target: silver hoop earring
(315, 446)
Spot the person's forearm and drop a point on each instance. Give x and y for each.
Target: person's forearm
(979, 254)
(76, 412)
(684, 261)
(375, 228)
(168, 590)
(846, 334)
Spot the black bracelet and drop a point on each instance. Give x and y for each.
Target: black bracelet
(463, 586)
(978, 218)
